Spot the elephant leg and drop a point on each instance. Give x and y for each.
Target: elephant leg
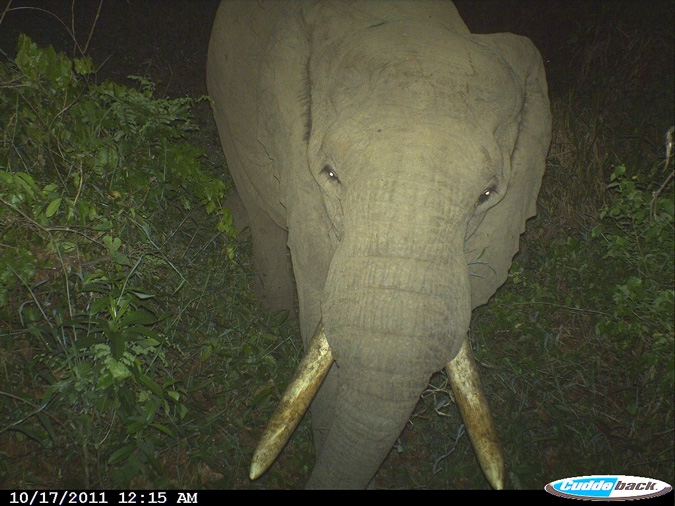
(239, 214)
(271, 260)
(271, 284)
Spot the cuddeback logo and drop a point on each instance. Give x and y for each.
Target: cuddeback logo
(603, 488)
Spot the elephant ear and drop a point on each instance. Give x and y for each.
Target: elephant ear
(490, 249)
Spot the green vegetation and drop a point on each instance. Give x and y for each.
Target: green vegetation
(100, 193)
(585, 344)
(132, 352)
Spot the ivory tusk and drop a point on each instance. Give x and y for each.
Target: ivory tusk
(294, 403)
(473, 406)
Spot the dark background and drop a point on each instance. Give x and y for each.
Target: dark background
(167, 40)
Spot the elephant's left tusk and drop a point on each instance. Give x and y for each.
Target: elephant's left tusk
(473, 406)
(294, 403)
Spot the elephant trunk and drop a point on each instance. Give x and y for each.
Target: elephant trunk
(397, 294)
(395, 309)
(368, 417)
(391, 321)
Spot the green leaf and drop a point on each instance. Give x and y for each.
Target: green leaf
(135, 424)
(44, 420)
(138, 317)
(118, 343)
(207, 351)
(86, 341)
(162, 428)
(121, 454)
(106, 224)
(263, 396)
(148, 382)
(83, 66)
(142, 295)
(113, 244)
(53, 207)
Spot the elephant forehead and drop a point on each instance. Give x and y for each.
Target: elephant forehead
(414, 42)
(420, 67)
(393, 139)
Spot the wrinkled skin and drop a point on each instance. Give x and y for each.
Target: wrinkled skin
(398, 157)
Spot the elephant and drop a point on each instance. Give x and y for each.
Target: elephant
(387, 160)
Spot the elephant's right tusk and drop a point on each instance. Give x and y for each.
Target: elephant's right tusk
(473, 406)
(294, 403)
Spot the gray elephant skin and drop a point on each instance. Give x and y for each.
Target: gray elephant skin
(397, 156)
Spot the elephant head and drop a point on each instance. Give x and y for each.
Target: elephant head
(404, 198)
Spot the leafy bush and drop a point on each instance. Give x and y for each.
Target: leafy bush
(637, 233)
(87, 172)
(582, 342)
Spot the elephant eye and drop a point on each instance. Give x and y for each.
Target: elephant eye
(487, 193)
(328, 170)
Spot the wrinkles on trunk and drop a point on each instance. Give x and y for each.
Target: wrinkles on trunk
(397, 315)
(395, 309)
(371, 411)
(390, 323)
